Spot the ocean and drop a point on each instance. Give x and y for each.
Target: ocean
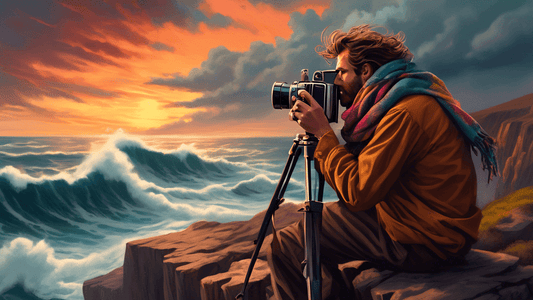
(69, 205)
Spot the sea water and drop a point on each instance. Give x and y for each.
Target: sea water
(69, 205)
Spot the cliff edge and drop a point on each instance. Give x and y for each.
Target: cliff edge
(209, 260)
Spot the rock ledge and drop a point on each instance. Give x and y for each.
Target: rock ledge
(209, 260)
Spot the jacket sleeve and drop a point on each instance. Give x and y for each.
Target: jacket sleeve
(364, 182)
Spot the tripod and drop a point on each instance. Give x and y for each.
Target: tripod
(312, 220)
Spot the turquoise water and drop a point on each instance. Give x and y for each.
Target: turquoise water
(68, 205)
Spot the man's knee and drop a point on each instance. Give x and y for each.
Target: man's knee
(286, 243)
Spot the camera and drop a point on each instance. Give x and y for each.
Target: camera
(321, 88)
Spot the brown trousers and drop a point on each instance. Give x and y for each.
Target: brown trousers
(345, 236)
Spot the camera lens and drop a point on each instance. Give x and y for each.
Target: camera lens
(280, 95)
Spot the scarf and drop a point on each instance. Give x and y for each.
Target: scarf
(396, 80)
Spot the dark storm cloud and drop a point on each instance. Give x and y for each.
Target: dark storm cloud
(215, 21)
(28, 34)
(480, 50)
(218, 20)
(9, 86)
(42, 32)
(184, 14)
(445, 35)
(239, 84)
(178, 12)
(335, 7)
(507, 40)
(19, 30)
(450, 38)
(35, 31)
(162, 47)
(104, 47)
(28, 84)
(14, 90)
(216, 71)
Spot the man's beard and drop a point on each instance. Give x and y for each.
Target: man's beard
(345, 100)
(347, 97)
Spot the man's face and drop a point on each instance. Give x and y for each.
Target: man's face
(348, 82)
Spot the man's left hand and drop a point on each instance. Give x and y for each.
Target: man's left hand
(310, 117)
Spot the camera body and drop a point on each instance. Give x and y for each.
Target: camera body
(321, 88)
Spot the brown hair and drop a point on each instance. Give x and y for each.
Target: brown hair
(365, 46)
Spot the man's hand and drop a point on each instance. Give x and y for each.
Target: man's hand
(310, 117)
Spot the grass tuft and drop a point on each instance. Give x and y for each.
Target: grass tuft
(499, 209)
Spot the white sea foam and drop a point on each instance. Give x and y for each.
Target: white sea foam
(236, 191)
(18, 179)
(115, 165)
(42, 153)
(109, 160)
(24, 145)
(37, 267)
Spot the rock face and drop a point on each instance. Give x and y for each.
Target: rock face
(196, 263)
(511, 123)
(209, 260)
(487, 275)
(104, 287)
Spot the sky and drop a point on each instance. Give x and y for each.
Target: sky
(206, 67)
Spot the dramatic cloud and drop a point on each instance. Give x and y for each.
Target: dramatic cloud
(166, 66)
(213, 73)
(238, 85)
(449, 38)
(396, 11)
(508, 36)
(185, 14)
(82, 66)
(162, 47)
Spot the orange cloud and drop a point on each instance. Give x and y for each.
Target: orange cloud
(114, 56)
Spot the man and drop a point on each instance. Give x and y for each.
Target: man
(405, 178)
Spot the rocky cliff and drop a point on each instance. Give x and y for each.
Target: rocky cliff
(511, 123)
(209, 260)
(204, 261)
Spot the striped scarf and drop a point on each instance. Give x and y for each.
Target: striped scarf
(396, 80)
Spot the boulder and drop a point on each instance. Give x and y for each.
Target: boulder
(486, 275)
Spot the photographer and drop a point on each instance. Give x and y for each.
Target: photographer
(405, 177)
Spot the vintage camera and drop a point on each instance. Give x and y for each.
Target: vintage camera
(321, 88)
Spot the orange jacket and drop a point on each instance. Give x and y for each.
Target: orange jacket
(417, 170)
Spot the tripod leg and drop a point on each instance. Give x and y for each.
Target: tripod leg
(312, 224)
(312, 228)
(276, 200)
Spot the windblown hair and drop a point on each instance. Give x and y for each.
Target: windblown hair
(365, 46)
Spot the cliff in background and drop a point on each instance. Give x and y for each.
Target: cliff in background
(511, 123)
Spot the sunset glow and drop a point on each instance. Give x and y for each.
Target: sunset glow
(167, 67)
(98, 68)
